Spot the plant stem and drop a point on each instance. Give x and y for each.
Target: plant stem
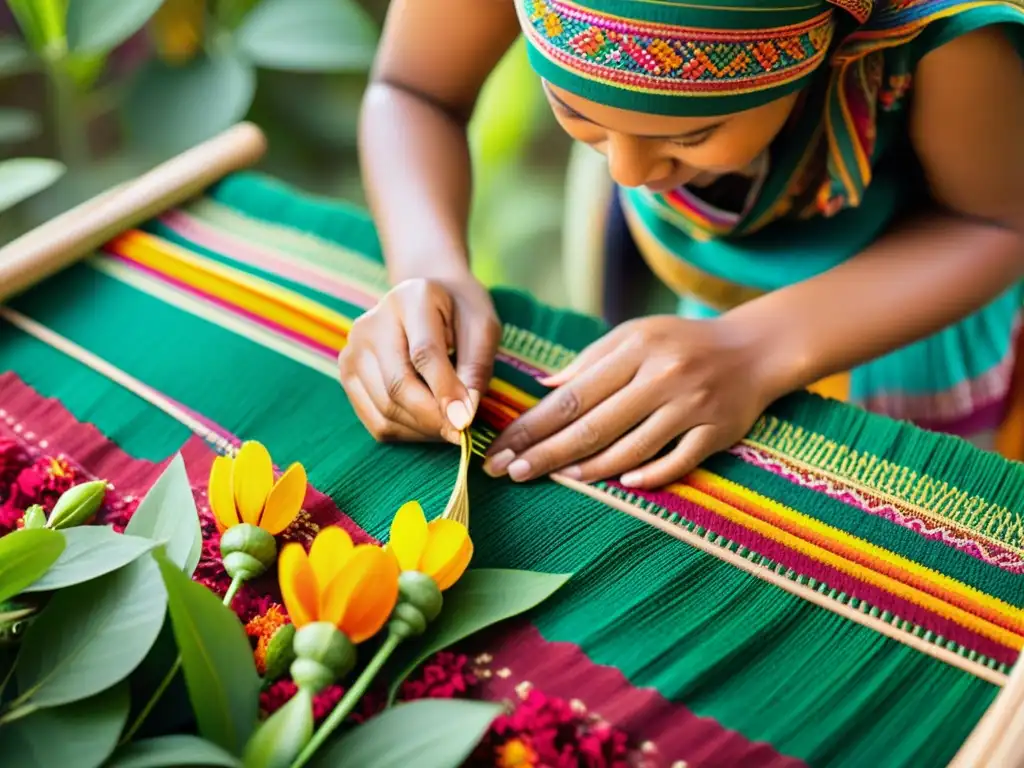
(236, 584)
(71, 137)
(152, 702)
(349, 700)
(18, 713)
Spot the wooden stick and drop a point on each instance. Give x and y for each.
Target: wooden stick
(994, 742)
(75, 234)
(796, 588)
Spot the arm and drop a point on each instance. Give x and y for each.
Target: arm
(933, 271)
(432, 62)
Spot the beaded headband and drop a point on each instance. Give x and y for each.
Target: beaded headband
(682, 59)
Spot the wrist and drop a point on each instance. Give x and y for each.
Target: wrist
(778, 361)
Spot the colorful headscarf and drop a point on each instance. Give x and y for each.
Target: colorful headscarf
(678, 58)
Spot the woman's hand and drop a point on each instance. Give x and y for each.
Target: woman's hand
(630, 394)
(396, 368)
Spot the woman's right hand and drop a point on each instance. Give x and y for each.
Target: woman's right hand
(396, 368)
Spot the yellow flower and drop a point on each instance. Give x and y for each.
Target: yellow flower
(178, 28)
(352, 587)
(242, 490)
(441, 549)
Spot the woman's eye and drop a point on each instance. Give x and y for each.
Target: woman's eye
(693, 142)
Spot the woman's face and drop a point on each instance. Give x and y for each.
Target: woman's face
(662, 153)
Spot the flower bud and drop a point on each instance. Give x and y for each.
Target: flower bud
(77, 505)
(280, 652)
(247, 551)
(419, 603)
(35, 517)
(323, 654)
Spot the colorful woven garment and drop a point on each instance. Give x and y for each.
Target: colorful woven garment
(839, 589)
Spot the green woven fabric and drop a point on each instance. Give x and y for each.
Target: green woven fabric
(672, 618)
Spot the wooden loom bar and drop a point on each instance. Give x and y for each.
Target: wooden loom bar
(73, 235)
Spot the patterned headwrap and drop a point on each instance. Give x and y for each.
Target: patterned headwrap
(678, 58)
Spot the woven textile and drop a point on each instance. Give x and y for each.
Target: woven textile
(221, 321)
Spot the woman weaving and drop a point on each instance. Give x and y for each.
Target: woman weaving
(834, 189)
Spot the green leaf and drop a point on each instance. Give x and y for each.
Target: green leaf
(82, 734)
(429, 733)
(92, 635)
(25, 557)
(97, 26)
(309, 36)
(171, 752)
(170, 109)
(217, 661)
(168, 514)
(91, 551)
(14, 57)
(23, 177)
(482, 597)
(281, 737)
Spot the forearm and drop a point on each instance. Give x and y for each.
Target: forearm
(416, 171)
(924, 275)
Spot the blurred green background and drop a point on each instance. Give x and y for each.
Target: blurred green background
(93, 92)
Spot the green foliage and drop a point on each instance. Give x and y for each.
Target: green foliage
(90, 552)
(172, 752)
(309, 36)
(83, 733)
(25, 557)
(17, 124)
(278, 741)
(481, 598)
(217, 661)
(25, 176)
(91, 636)
(98, 26)
(430, 733)
(168, 514)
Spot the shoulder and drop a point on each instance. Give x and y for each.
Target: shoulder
(967, 107)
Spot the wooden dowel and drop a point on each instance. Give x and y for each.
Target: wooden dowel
(993, 742)
(75, 234)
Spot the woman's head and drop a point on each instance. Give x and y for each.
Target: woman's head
(663, 153)
(673, 90)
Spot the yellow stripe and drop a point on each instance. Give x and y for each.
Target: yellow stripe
(259, 297)
(960, 616)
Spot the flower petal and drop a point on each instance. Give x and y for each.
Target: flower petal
(449, 550)
(373, 598)
(335, 595)
(218, 491)
(252, 479)
(408, 538)
(327, 556)
(298, 584)
(285, 500)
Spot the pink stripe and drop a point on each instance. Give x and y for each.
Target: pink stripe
(281, 330)
(270, 261)
(833, 577)
(522, 655)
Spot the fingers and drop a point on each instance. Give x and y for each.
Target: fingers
(427, 334)
(597, 429)
(476, 344)
(694, 447)
(382, 429)
(400, 396)
(565, 405)
(589, 356)
(632, 450)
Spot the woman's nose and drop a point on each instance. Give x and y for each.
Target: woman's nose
(632, 161)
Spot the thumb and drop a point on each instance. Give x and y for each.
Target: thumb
(476, 344)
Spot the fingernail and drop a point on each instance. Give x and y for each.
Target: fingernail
(496, 465)
(631, 479)
(519, 470)
(573, 473)
(458, 415)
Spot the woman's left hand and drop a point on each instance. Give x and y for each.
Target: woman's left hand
(631, 393)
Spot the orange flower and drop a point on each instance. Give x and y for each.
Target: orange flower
(352, 587)
(441, 549)
(242, 490)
